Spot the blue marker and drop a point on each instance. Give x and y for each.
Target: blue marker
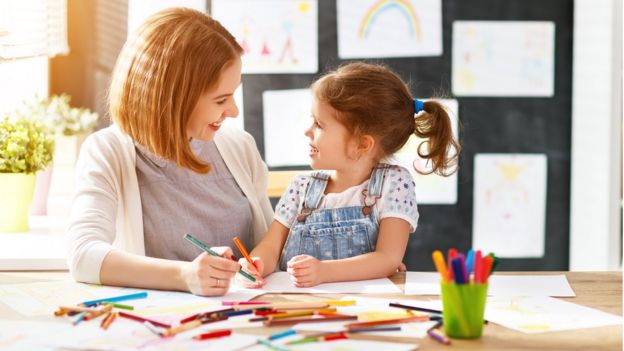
(470, 261)
(457, 271)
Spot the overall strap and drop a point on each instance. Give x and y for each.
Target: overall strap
(375, 185)
(314, 193)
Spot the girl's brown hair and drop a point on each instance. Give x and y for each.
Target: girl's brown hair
(172, 59)
(373, 100)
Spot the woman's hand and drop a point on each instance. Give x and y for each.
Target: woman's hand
(305, 271)
(209, 275)
(244, 282)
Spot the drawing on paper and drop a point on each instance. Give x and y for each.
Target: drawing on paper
(503, 58)
(510, 204)
(404, 7)
(389, 28)
(277, 36)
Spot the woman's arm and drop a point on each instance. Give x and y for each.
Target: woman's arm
(199, 276)
(270, 248)
(391, 244)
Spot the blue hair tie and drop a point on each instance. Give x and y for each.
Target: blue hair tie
(419, 105)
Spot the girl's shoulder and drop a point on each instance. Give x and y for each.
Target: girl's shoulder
(397, 172)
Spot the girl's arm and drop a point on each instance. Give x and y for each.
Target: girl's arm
(383, 262)
(270, 248)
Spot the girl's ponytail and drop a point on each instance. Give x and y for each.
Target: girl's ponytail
(433, 124)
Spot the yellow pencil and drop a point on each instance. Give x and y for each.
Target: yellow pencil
(340, 302)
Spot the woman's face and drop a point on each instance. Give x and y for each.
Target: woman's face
(214, 106)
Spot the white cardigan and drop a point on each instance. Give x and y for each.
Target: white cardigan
(106, 209)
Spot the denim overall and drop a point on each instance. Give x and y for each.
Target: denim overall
(334, 233)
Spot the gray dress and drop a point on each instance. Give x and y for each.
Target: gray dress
(176, 201)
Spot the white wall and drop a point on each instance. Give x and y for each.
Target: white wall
(596, 184)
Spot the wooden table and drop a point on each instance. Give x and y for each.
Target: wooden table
(600, 290)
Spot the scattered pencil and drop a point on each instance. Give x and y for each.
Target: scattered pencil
(213, 334)
(142, 319)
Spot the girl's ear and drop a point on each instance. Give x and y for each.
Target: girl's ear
(367, 144)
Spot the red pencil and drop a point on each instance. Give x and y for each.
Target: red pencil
(213, 334)
(141, 319)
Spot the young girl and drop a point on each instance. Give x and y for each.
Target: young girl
(354, 223)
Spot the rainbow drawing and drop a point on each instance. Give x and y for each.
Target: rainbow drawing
(405, 8)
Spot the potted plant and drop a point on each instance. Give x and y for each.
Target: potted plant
(26, 146)
(70, 126)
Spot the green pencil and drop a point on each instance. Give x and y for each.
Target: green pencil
(203, 246)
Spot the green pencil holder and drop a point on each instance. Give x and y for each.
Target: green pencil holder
(463, 306)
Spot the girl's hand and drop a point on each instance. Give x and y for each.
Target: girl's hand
(305, 271)
(402, 268)
(209, 275)
(244, 282)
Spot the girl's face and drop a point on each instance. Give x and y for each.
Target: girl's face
(329, 139)
(214, 106)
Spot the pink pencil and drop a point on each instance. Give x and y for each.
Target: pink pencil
(232, 303)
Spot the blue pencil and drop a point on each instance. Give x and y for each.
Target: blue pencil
(139, 295)
(282, 334)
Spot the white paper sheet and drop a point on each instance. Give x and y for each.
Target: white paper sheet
(339, 345)
(43, 298)
(279, 282)
(277, 36)
(121, 335)
(286, 116)
(428, 283)
(372, 28)
(431, 188)
(543, 314)
(510, 204)
(503, 58)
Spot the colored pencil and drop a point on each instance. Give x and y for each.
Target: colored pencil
(244, 252)
(282, 334)
(139, 295)
(190, 238)
(388, 321)
(340, 302)
(142, 319)
(408, 307)
(232, 303)
(213, 334)
(437, 335)
(106, 322)
(288, 321)
(374, 329)
(182, 328)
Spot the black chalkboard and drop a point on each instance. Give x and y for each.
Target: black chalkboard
(489, 124)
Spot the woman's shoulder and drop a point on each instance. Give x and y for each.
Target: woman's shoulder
(108, 144)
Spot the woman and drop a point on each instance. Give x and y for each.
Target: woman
(166, 166)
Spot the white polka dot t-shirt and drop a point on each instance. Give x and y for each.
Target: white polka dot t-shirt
(398, 198)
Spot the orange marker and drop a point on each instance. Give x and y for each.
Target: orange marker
(438, 261)
(241, 248)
